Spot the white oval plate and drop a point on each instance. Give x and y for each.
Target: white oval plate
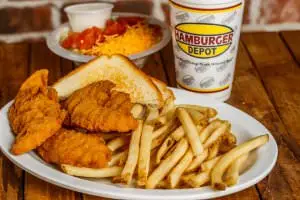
(243, 126)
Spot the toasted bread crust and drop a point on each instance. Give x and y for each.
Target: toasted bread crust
(129, 64)
(162, 86)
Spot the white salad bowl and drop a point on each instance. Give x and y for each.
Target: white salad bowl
(54, 39)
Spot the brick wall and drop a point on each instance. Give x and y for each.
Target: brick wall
(24, 19)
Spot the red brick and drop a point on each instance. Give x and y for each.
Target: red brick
(135, 6)
(279, 11)
(246, 17)
(19, 20)
(166, 9)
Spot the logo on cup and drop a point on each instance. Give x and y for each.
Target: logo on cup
(201, 68)
(206, 19)
(225, 80)
(229, 19)
(221, 67)
(232, 49)
(183, 64)
(203, 40)
(188, 79)
(207, 82)
(182, 16)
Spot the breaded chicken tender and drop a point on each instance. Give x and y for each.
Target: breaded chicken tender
(75, 148)
(97, 107)
(35, 114)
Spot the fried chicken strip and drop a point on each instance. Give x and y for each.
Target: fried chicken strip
(75, 148)
(35, 114)
(97, 107)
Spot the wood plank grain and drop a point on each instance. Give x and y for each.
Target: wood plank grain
(154, 67)
(250, 96)
(66, 66)
(281, 80)
(167, 57)
(36, 188)
(292, 40)
(13, 71)
(247, 194)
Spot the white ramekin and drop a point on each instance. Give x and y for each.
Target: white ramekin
(83, 16)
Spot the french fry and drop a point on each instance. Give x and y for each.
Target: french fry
(227, 143)
(197, 161)
(224, 148)
(133, 153)
(115, 159)
(211, 112)
(166, 165)
(169, 152)
(138, 111)
(152, 115)
(108, 136)
(118, 142)
(165, 128)
(174, 176)
(178, 133)
(229, 139)
(169, 105)
(164, 118)
(213, 150)
(91, 172)
(197, 180)
(175, 136)
(190, 131)
(144, 155)
(209, 164)
(166, 145)
(111, 135)
(216, 134)
(196, 115)
(187, 176)
(206, 132)
(220, 168)
(153, 164)
(163, 184)
(158, 141)
(232, 174)
(123, 158)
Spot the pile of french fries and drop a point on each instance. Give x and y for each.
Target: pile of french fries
(181, 146)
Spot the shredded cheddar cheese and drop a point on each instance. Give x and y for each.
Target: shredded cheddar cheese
(136, 39)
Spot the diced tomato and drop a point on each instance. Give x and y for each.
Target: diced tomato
(88, 37)
(109, 22)
(131, 21)
(113, 27)
(70, 41)
(156, 29)
(83, 40)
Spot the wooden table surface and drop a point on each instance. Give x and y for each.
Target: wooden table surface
(266, 86)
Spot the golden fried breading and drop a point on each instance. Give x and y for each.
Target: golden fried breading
(97, 107)
(35, 114)
(75, 148)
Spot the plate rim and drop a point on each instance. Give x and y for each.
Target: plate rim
(132, 195)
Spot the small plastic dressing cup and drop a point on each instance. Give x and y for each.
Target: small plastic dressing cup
(83, 16)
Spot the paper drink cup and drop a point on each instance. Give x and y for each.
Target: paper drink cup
(205, 37)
